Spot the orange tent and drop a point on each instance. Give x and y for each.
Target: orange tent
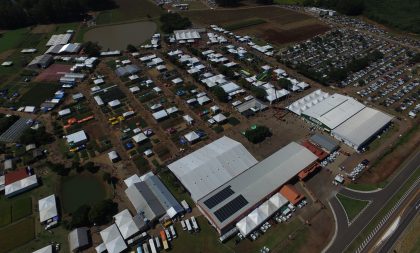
(291, 194)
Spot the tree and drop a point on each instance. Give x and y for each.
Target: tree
(220, 94)
(38, 136)
(92, 49)
(102, 212)
(259, 92)
(80, 217)
(228, 3)
(257, 134)
(107, 177)
(284, 83)
(173, 21)
(131, 48)
(350, 7)
(265, 2)
(90, 166)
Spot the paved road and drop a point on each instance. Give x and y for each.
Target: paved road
(346, 232)
(406, 219)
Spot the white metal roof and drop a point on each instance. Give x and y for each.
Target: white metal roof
(361, 127)
(211, 166)
(334, 110)
(260, 180)
(126, 224)
(192, 136)
(306, 102)
(47, 208)
(113, 240)
(139, 137)
(76, 137)
(21, 185)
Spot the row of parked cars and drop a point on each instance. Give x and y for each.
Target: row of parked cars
(355, 173)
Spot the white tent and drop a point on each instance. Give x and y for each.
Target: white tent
(245, 226)
(113, 240)
(126, 224)
(257, 216)
(192, 136)
(47, 208)
(267, 208)
(278, 200)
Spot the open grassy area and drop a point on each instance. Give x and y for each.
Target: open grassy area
(244, 23)
(352, 206)
(5, 213)
(17, 234)
(21, 208)
(381, 214)
(79, 190)
(38, 93)
(129, 10)
(12, 39)
(366, 187)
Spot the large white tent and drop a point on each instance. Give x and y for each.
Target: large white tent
(278, 200)
(113, 240)
(47, 208)
(126, 224)
(246, 225)
(257, 216)
(267, 208)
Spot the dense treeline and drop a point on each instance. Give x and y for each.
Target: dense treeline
(20, 13)
(402, 14)
(173, 21)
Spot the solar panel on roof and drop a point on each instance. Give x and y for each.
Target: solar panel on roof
(219, 197)
(230, 208)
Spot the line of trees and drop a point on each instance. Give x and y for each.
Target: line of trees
(348, 7)
(21, 13)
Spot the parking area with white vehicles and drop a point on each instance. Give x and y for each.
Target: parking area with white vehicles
(330, 159)
(356, 171)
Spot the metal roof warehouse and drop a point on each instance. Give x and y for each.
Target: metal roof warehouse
(211, 166)
(231, 201)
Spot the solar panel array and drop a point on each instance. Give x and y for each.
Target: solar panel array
(230, 208)
(219, 197)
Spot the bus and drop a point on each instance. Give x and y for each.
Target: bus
(187, 222)
(152, 245)
(157, 242)
(168, 235)
(194, 224)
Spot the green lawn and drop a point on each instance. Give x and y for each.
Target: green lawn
(12, 39)
(21, 208)
(5, 213)
(134, 10)
(38, 93)
(17, 234)
(352, 206)
(366, 187)
(204, 241)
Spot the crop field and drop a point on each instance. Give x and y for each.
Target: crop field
(281, 26)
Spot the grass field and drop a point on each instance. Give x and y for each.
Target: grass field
(38, 93)
(17, 234)
(12, 39)
(352, 206)
(21, 208)
(129, 10)
(288, 1)
(79, 190)
(5, 213)
(366, 187)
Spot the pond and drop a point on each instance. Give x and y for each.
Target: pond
(79, 190)
(117, 37)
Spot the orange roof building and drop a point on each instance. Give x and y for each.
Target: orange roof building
(291, 194)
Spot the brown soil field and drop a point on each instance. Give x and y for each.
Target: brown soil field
(53, 73)
(273, 34)
(283, 26)
(43, 29)
(119, 36)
